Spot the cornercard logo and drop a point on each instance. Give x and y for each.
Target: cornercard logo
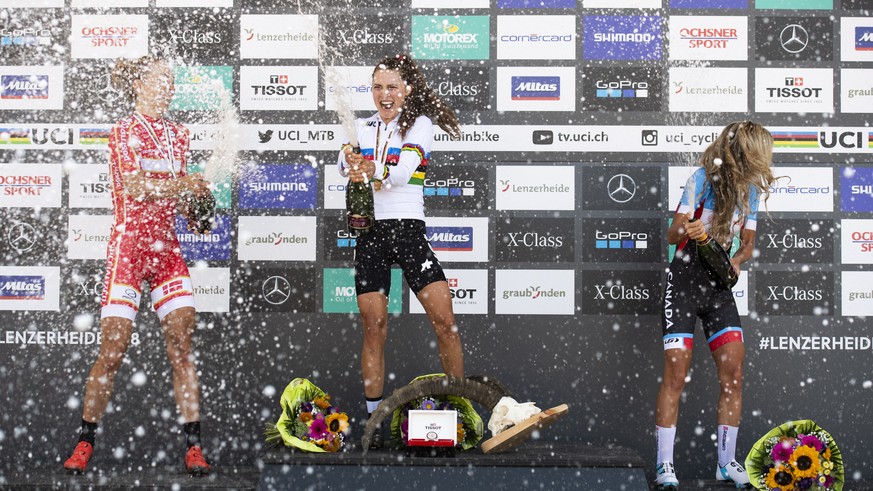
(536, 188)
(334, 189)
(469, 290)
(621, 293)
(31, 88)
(279, 186)
(622, 89)
(794, 38)
(109, 3)
(782, 90)
(856, 239)
(856, 39)
(458, 239)
(278, 36)
(339, 297)
(88, 236)
(856, 189)
(802, 189)
(621, 240)
(276, 238)
(856, 91)
(535, 292)
(279, 88)
(798, 241)
(701, 89)
(451, 38)
(794, 293)
(29, 288)
(202, 88)
(536, 88)
(709, 37)
(109, 36)
(30, 185)
(857, 294)
(536, 37)
(211, 289)
(356, 81)
(538, 240)
(617, 37)
(193, 3)
(214, 246)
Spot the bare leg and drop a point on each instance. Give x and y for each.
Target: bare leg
(436, 299)
(729, 360)
(114, 340)
(178, 330)
(374, 315)
(676, 365)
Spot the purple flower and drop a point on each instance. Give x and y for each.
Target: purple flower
(306, 407)
(782, 450)
(404, 430)
(318, 428)
(428, 405)
(806, 483)
(829, 481)
(812, 441)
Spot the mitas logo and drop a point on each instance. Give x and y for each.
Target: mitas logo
(364, 36)
(22, 287)
(276, 239)
(533, 293)
(195, 36)
(793, 293)
(536, 88)
(458, 239)
(533, 239)
(620, 292)
(24, 87)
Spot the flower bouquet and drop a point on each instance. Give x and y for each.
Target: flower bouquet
(797, 455)
(308, 421)
(470, 425)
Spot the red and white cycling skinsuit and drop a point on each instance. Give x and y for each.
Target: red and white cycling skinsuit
(143, 245)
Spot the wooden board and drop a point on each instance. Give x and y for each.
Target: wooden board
(513, 437)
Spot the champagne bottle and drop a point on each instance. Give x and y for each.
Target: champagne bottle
(360, 215)
(200, 212)
(715, 260)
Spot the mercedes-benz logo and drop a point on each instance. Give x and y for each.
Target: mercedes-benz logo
(22, 236)
(794, 38)
(621, 188)
(276, 290)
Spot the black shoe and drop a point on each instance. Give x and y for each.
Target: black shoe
(377, 441)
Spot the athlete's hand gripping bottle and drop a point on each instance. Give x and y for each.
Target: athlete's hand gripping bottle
(716, 261)
(359, 205)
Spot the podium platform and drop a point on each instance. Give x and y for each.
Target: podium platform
(533, 465)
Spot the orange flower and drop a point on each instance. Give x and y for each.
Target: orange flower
(305, 417)
(322, 402)
(461, 432)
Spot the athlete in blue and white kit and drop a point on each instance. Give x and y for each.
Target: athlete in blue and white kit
(395, 150)
(724, 195)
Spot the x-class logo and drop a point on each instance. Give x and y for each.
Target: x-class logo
(621, 188)
(794, 38)
(22, 236)
(276, 290)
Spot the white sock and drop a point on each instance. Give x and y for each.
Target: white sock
(372, 405)
(727, 444)
(665, 437)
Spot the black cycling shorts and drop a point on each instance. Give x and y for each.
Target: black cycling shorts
(402, 242)
(690, 294)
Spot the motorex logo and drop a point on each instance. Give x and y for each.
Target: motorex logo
(856, 184)
(21, 287)
(536, 88)
(279, 187)
(339, 296)
(457, 239)
(214, 246)
(24, 87)
(622, 37)
(451, 37)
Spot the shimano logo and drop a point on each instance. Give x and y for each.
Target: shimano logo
(623, 37)
(278, 186)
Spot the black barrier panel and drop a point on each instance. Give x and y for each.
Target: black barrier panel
(795, 241)
(464, 88)
(794, 293)
(621, 187)
(194, 34)
(339, 243)
(35, 237)
(621, 292)
(794, 38)
(535, 240)
(259, 289)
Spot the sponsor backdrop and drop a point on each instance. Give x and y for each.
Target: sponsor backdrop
(582, 119)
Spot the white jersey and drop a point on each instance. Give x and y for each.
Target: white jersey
(401, 164)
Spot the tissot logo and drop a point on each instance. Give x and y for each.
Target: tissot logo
(536, 240)
(468, 289)
(786, 241)
(793, 293)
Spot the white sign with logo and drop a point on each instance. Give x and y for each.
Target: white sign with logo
(194, 3)
(856, 240)
(30, 185)
(30, 4)
(536, 37)
(621, 4)
(857, 295)
(109, 3)
(89, 186)
(276, 238)
(88, 236)
(536, 89)
(533, 187)
(462, 240)
(856, 37)
(695, 37)
(469, 289)
(357, 82)
(704, 89)
(30, 288)
(530, 291)
(794, 90)
(856, 90)
(278, 36)
(334, 187)
(211, 289)
(801, 189)
(109, 36)
(278, 88)
(450, 4)
(31, 88)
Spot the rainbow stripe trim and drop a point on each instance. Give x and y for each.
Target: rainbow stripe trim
(420, 172)
(797, 139)
(16, 136)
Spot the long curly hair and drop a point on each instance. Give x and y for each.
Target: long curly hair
(422, 100)
(736, 161)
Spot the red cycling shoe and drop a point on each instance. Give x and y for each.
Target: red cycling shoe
(195, 463)
(77, 462)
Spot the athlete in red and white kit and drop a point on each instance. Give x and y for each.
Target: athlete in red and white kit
(149, 177)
